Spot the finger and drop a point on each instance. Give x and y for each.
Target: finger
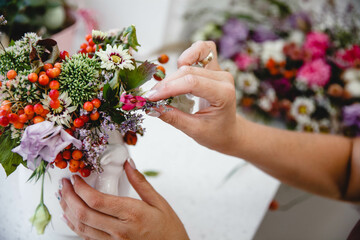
(189, 70)
(84, 230)
(146, 192)
(104, 203)
(197, 52)
(211, 90)
(82, 211)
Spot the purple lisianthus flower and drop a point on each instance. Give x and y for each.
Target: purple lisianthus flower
(351, 115)
(282, 86)
(236, 29)
(262, 34)
(44, 141)
(230, 46)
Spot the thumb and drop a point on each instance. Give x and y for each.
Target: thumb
(146, 192)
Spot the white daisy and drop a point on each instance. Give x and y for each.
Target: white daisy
(265, 104)
(62, 115)
(274, 50)
(248, 83)
(351, 75)
(98, 36)
(353, 88)
(115, 58)
(229, 66)
(308, 126)
(301, 109)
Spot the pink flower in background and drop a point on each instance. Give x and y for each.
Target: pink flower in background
(315, 73)
(317, 43)
(244, 61)
(349, 57)
(130, 102)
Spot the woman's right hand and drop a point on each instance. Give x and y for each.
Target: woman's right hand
(215, 126)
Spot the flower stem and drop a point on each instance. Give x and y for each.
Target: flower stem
(42, 189)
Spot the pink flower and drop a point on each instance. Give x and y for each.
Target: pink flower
(349, 57)
(317, 43)
(130, 102)
(243, 61)
(315, 73)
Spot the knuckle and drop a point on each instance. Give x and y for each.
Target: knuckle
(229, 77)
(170, 118)
(96, 202)
(186, 69)
(211, 44)
(81, 228)
(81, 214)
(191, 80)
(121, 235)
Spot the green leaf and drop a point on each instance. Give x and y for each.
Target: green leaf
(130, 32)
(151, 173)
(117, 116)
(9, 160)
(137, 77)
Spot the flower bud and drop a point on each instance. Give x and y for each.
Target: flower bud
(41, 218)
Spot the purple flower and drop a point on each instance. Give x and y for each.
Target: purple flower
(351, 115)
(43, 141)
(229, 46)
(262, 34)
(282, 86)
(300, 20)
(236, 29)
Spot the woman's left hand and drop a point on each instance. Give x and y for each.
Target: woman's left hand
(97, 216)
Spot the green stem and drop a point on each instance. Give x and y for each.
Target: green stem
(42, 189)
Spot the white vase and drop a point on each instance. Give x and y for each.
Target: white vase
(112, 180)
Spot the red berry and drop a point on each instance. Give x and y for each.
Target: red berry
(44, 80)
(89, 49)
(3, 113)
(163, 58)
(73, 169)
(33, 77)
(51, 73)
(85, 118)
(130, 138)
(94, 116)
(88, 106)
(18, 125)
(38, 119)
(29, 109)
(88, 37)
(58, 158)
(47, 66)
(91, 42)
(77, 155)
(78, 123)
(61, 164)
(85, 172)
(23, 118)
(55, 104)
(54, 85)
(45, 113)
(161, 68)
(42, 73)
(11, 74)
(57, 65)
(30, 116)
(96, 102)
(69, 147)
(54, 94)
(4, 121)
(38, 109)
(70, 132)
(66, 155)
(157, 77)
(13, 118)
(83, 46)
(64, 54)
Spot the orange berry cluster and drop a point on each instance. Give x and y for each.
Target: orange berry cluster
(92, 115)
(73, 159)
(89, 46)
(163, 59)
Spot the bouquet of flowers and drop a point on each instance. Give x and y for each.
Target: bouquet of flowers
(296, 66)
(57, 109)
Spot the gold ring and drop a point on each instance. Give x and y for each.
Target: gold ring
(207, 60)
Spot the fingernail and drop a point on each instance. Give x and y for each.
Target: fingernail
(72, 179)
(60, 184)
(150, 93)
(58, 195)
(131, 162)
(63, 218)
(154, 113)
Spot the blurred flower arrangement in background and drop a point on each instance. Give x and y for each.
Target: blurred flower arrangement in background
(44, 17)
(296, 66)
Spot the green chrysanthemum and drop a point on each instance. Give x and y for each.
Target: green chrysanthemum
(80, 78)
(17, 57)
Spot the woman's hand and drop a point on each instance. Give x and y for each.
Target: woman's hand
(215, 126)
(97, 216)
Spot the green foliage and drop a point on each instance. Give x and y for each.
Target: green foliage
(151, 173)
(130, 33)
(79, 78)
(9, 160)
(111, 97)
(132, 79)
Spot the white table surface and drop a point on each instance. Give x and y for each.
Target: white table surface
(191, 180)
